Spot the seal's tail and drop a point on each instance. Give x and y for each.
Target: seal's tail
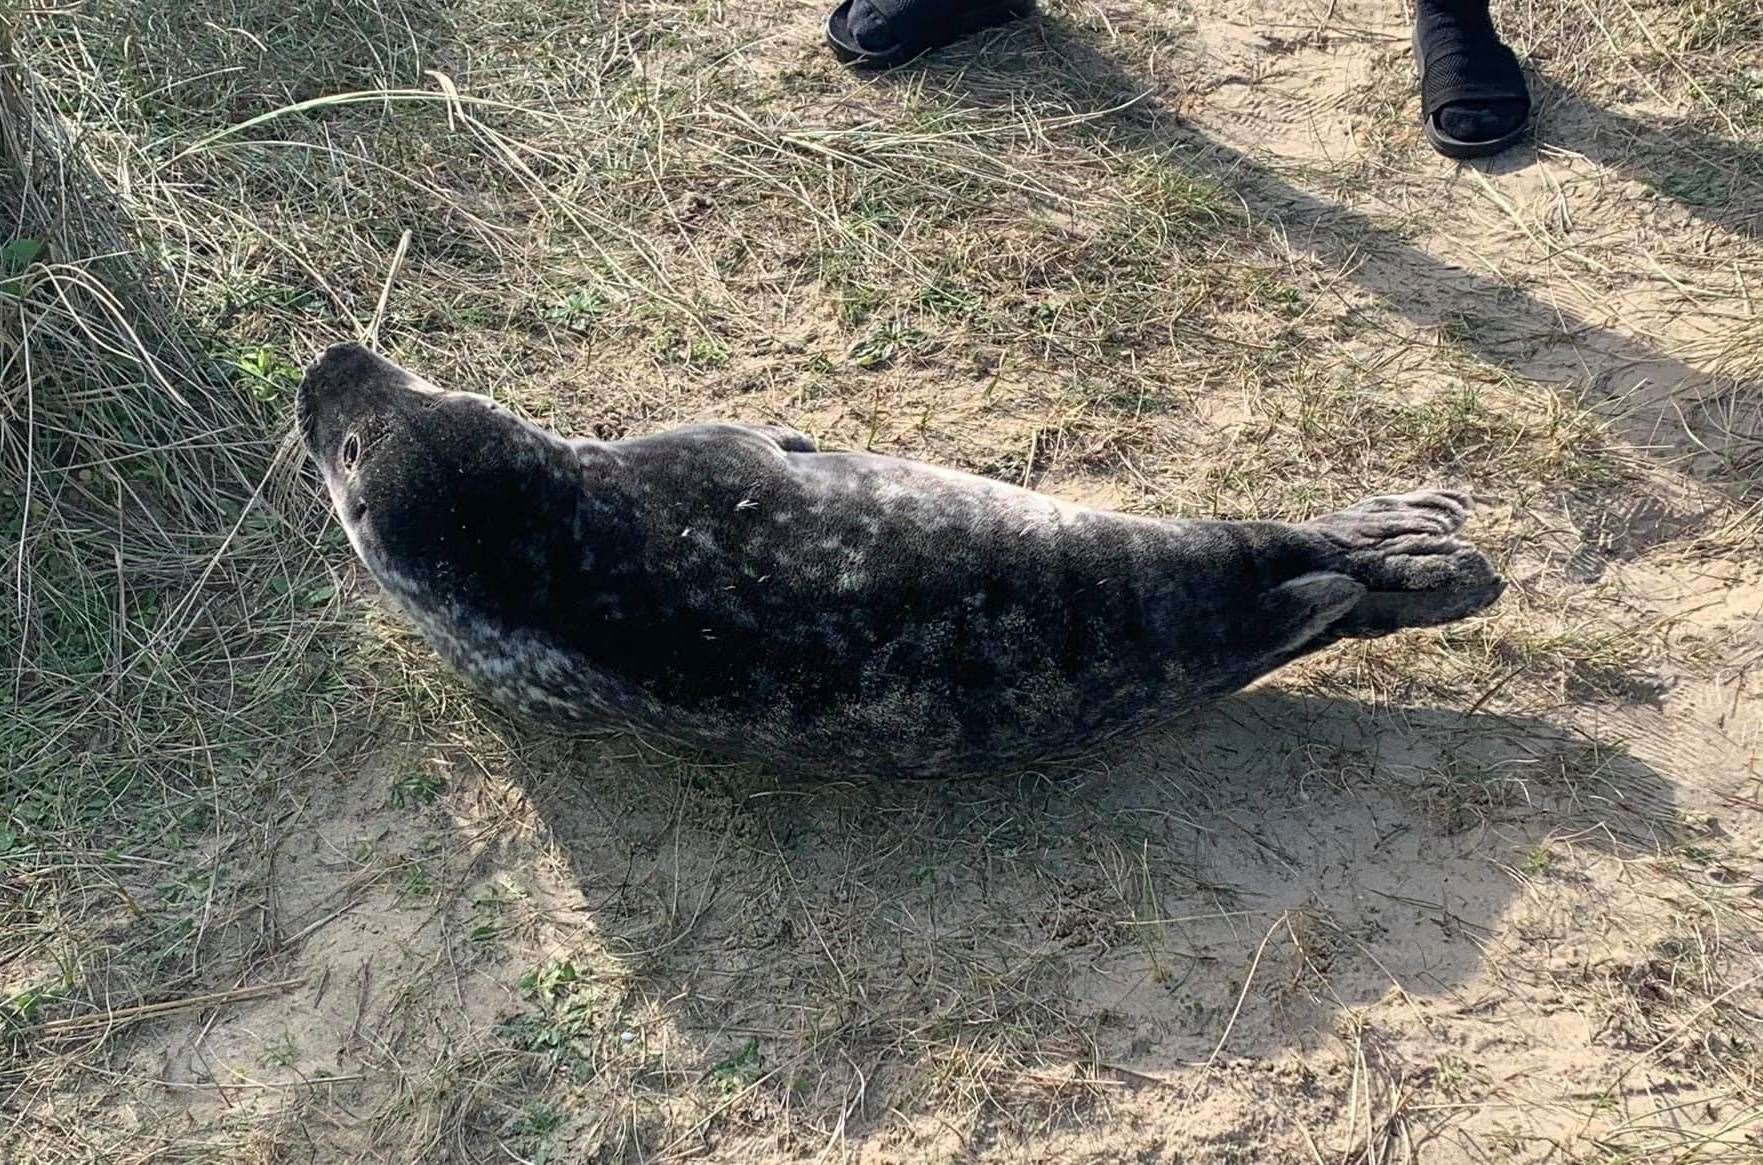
(1404, 552)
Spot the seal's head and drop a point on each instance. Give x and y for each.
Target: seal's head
(446, 497)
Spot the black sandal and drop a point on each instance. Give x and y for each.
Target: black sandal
(892, 32)
(1462, 60)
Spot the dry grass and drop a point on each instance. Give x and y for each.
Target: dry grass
(274, 888)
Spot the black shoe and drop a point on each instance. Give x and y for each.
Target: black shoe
(880, 34)
(1473, 99)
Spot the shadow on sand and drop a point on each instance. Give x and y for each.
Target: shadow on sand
(1105, 914)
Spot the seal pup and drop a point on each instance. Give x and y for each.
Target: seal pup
(734, 588)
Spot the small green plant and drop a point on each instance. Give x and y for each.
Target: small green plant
(707, 352)
(16, 256)
(416, 882)
(562, 1021)
(550, 982)
(280, 1052)
(491, 910)
(884, 344)
(416, 789)
(856, 303)
(13, 845)
(577, 311)
(740, 1069)
(536, 1119)
(944, 300)
(265, 373)
(311, 598)
(1456, 1076)
(194, 886)
(1537, 862)
(694, 352)
(21, 1010)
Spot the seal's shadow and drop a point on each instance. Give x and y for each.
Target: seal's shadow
(1105, 915)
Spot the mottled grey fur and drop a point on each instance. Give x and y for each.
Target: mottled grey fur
(731, 587)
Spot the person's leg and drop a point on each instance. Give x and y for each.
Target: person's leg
(1473, 97)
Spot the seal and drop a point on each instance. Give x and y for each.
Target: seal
(734, 588)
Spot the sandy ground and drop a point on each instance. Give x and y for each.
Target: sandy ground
(1487, 895)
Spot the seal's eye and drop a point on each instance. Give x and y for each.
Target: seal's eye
(351, 451)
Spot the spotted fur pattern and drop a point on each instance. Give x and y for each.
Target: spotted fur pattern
(733, 588)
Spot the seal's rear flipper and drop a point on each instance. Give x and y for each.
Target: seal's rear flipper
(1404, 552)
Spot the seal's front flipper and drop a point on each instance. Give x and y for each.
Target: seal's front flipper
(1404, 552)
(789, 440)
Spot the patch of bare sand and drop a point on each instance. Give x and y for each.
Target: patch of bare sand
(1297, 921)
